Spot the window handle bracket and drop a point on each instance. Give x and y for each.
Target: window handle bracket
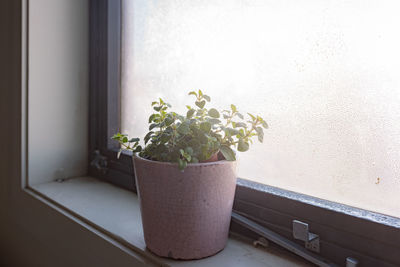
(281, 241)
(301, 232)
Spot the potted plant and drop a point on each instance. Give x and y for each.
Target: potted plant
(186, 175)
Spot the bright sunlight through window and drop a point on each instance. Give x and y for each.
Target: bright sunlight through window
(324, 74)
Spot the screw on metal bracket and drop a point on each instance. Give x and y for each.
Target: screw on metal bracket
(301, 232)
(351, 262)
(99, 162)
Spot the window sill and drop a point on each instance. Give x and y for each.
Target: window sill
(116, 212)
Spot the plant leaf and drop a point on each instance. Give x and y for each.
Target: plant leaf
(264, 124)
(200, 104)
(260, 134)
(228, 153)
(189, 150)
(182, 164)
(168, 121)
(180, 117)
(147, 137)
(213, 113)
(187, 157)
(233, 107)
(242, 145)
(116, 136)
(152, 126)
(214, 121)
(190, 113)
(240, 115)
(183, 128)
(206, 97)
(205, 126)
(252, 116)
(137, 149)
(241, 124)
(230, 131)
(134, 140)
(164, 138)
(152, 117)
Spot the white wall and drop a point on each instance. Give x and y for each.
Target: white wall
(33, 233)
(58, 89)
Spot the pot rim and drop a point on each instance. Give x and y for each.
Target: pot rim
(219, 162)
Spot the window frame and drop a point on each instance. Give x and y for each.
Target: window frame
(345, 231)
(104, 92)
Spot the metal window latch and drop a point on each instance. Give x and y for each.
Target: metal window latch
(99, 162)
(301, 232)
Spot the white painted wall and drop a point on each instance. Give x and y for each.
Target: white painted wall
(58, 89)
(33, 233)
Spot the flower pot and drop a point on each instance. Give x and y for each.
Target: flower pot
(185, 214)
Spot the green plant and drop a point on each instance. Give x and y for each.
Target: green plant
(195, 137)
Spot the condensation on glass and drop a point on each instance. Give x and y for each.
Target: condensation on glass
(324, 74)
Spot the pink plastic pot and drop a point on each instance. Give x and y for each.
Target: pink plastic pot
(185, 215)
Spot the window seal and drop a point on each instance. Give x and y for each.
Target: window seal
(322, 203)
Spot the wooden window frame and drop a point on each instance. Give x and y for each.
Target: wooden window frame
(370, 237)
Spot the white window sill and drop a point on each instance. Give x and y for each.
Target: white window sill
(116, 211)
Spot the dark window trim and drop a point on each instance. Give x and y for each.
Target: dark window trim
(104, 90)
(372, 238)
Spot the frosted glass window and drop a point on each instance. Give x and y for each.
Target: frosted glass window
(324, 74)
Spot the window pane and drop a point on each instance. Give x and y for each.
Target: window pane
(324, 74)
